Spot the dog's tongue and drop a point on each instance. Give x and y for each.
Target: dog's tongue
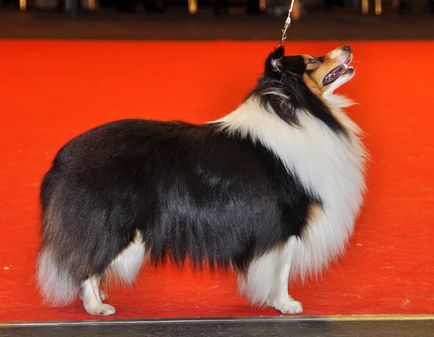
(335, 73)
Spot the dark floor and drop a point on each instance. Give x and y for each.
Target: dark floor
(177, 24)
(266, 327)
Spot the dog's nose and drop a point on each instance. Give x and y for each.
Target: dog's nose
(346, 48)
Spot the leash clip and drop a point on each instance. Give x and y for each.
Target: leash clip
(287, 23)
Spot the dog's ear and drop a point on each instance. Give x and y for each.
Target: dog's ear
(273, 61)
(293, 64)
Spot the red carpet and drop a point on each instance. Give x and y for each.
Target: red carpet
(52, 90)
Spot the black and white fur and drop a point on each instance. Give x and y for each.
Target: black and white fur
(272, 189)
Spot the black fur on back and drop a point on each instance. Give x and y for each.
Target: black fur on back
(282, 88)
(192, 191)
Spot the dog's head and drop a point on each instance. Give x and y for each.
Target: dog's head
(300, 83)
(325, 73)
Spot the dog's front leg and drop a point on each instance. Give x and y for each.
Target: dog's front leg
(279, 297)
(266, 279)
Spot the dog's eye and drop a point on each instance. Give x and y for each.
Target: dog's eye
(311, 60)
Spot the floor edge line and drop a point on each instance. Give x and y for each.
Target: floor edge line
(243, 319)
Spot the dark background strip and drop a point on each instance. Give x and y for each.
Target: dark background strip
(259, 327)
(177, 24)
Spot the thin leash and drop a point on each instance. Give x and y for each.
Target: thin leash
(287, 24)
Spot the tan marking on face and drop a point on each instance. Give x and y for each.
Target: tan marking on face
(311, 62)
(318, 70)
(317, 90)
(312, 85)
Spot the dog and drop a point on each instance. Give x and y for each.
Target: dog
(271, 190)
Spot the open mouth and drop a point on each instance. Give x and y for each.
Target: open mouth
(337, 72)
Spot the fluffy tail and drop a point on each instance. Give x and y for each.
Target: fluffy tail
(79, 238)
(57, 286)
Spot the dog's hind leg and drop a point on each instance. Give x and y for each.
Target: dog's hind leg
(124, 267)
(92, 302)
(102, 294)
(127, 263)
(266, 279)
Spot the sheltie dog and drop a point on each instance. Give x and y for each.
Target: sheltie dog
(271, 190)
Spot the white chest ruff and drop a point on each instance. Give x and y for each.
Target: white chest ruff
(329, 165)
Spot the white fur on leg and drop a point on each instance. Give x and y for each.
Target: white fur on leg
(127, 264)
(266, 280)
(279, 297)
(102, 294)
(91, 299)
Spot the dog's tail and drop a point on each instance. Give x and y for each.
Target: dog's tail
(57, 284)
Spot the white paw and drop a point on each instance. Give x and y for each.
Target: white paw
(289, 306)
(100, 310)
